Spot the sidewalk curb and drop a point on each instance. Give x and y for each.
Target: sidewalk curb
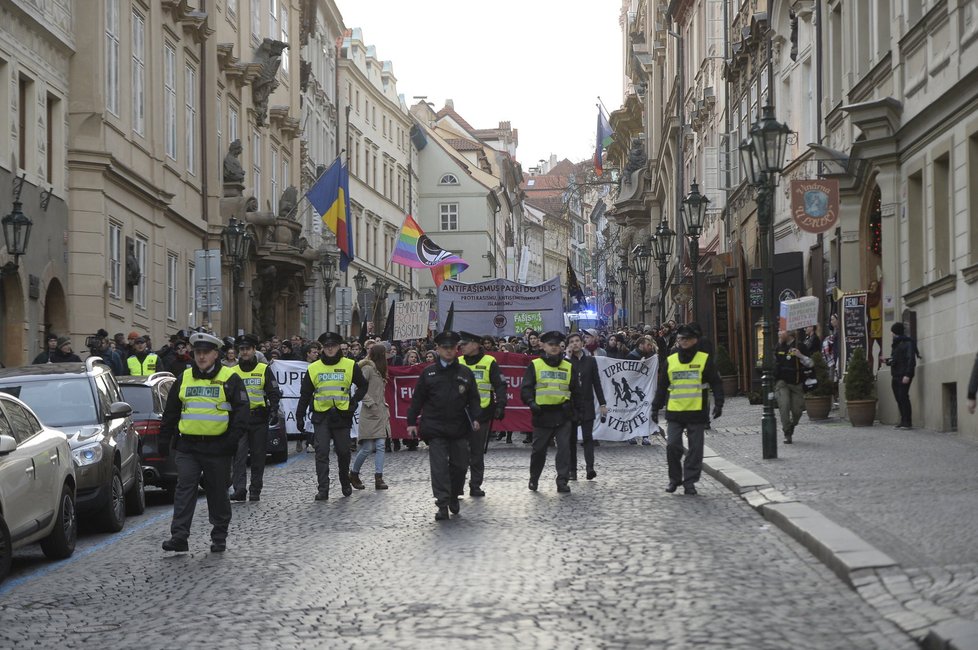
(874, 575)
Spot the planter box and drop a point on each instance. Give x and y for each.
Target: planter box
(730, 383)
(818, 407)
(861, 412)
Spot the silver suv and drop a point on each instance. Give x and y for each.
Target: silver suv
(83, 401)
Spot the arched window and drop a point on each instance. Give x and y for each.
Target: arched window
(448, 179)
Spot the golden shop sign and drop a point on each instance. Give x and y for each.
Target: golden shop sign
(815, 204)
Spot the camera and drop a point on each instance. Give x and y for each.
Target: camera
(93, 342)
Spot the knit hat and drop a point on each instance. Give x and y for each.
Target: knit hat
(63, 340)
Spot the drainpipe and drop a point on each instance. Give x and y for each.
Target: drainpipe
(204, 166)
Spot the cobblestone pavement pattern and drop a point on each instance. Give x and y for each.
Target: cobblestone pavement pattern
(616, 564)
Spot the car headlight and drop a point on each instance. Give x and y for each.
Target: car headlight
(87, 455)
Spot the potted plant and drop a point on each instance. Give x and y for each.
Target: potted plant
(860, 390)
(728, 372)
(818, 401)
(755, 397)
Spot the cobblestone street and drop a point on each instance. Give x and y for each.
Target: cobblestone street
(617, 563)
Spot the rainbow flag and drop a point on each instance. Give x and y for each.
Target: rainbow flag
(415, 249)
(330, 195)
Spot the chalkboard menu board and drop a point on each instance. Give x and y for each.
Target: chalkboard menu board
(854, 323)
(756, 292)
(722, 318)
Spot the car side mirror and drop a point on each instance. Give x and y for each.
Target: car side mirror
(7, 444)
(119, 410)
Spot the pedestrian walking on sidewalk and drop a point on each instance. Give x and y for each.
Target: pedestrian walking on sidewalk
(264, 396)
(789, 376)
(492, 401)
(903, 364)
(204, 417)
(326, 386)
(446, 398)
(682, 392)
(547, 391)
(585, 387)
(374, 423)
(973, 387)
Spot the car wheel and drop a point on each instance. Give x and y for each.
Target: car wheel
(136, 498)
(280, 456)
(113, 516)
(6, 549)
(61, 542)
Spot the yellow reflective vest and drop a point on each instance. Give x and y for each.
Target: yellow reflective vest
(206, 410)
(331, 384)
(686, 382)
(553, 383)
(481, 372)
(147, 367)
(254, 382)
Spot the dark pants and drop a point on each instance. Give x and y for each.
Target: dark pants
(341, 442)
(901, 392)
(477, 454)
(449, 458)
(686, 472)
(216, 472)
(255, 441)
(538, 457)
(587, 427)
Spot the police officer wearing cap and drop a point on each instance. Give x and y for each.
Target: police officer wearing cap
(142, 362)
(447, 400)
(263, 398)
(492, 401)
(326, 386)
(205, 414)
(547, 391)
(689, 372)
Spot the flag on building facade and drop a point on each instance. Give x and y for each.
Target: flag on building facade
(602, 141)
(330, 195)
(415, 249)
(574, 287)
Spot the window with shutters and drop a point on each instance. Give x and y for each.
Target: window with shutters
(284, 37)
(190, 117)
(138, 72)
(171, 286)
(170, 101)
(115, 260)
(255, 18)
(112, 56)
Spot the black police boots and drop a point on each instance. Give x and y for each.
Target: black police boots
(178, 545)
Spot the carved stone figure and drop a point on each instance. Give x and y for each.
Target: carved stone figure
(251, 205)
(133, 272)
(287, 204)
(270, 56)
(636, 158)
(233, 172)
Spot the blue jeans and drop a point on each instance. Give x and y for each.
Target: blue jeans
(364, 447)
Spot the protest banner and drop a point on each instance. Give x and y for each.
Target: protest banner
(798, 313)
(495, 307)
(289, 376)
(629, 388)
(411, 319)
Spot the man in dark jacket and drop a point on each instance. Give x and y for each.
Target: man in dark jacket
(492, 402)
(62, 353)
(547, 391)
(446, 398)
(903, 364)
(205, 412)
(326, 387)
(51, 345)
(585, 388)
(973, 387)
(681, 393)
(789, 375)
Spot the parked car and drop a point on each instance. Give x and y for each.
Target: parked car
(37, 485)
(83, 400)
(147, 396)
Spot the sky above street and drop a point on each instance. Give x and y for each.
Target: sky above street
(540, 64)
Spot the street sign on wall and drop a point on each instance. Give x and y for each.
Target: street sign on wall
(344, 305)
(207, 280)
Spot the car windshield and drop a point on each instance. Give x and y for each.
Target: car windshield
(140, 398)
(59, 402)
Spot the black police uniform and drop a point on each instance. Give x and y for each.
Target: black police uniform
(478, 439)
(585, 387)
(255, 438)
(446, 398)
(202, 459)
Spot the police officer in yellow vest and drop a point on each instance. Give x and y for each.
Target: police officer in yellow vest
(142, 362)
(204, 416)
(326, 387)
(263, 398)
(682, 391)
(492, 400)
(547, 391)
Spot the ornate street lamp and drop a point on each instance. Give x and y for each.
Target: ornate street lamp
(693, 212)
(623, 272)
(611, 283)
(236, 240)
(641, 257)
(662, 243)
(327, 273)
(430, 295)
(17, 226)
(763, 159)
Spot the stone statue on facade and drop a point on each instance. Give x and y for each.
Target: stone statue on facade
(233, 172)
(287, 204)
(133, 272)
(270, 56)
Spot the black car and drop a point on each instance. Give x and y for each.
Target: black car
(147, 396)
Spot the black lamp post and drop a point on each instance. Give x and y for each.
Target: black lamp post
(641, 257)
(623, 272)
(662, 243)
(762, 156)
(236, 239)
(612, 283)
(16, 230)
(360, 282)
(430, 295)
(693, 211)
(402, 292)
(380, 294)
(327, 273)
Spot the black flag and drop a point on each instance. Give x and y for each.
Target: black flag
(574, 287)
(388, 334)
(363, 330)
(450, 319)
